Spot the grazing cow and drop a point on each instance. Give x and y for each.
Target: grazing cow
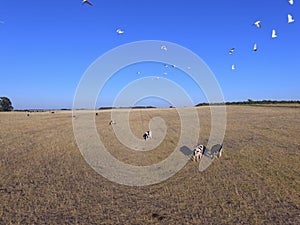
(198, 152)
(147, 135)
(220, 152)
(112, 122)
(216, 150)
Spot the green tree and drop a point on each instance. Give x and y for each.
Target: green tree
(250, 101)
(5, 104)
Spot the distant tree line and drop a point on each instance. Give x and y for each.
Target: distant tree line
(6, 104)
(252, 102)
(134, 107)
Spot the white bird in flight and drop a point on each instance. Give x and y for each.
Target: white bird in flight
(290, 18)
(87, 2)
(232, 67)
(138, 72)
(291, 2)
(120, 31)
(274, 34)
(163, 47)
(258, 24)
(255, 47)
(231, 51)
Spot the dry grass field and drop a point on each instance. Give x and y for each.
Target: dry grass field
(45, 180)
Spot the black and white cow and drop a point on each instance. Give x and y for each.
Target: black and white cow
(216, 150)
(112, 122)
(198, 152)
(147, 135)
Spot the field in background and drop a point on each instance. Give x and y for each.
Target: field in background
(45, 179)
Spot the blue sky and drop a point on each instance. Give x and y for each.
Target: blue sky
(46, 47)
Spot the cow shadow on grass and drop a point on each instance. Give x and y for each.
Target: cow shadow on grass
(186, 151)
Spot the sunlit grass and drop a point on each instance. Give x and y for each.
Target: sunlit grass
(45, 179)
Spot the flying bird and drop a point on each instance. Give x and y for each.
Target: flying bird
(274, 35)
(87, 2)
(163, 47)
(255, 47)
(291, 2)
(258, 24)
(231, 51)
(138, 72)
(120, 31)
(232, 67)
(155, 78)
(290, 18)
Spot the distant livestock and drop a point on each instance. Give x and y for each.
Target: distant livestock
(147, 135)
(112, 122)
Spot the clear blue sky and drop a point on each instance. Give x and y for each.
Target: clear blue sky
(46, 46)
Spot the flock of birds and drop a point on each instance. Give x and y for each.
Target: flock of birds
(258, 24)
(119, 31)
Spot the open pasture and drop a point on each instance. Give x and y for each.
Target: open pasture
(45, 179)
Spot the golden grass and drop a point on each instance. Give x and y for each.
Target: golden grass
(45, 179)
